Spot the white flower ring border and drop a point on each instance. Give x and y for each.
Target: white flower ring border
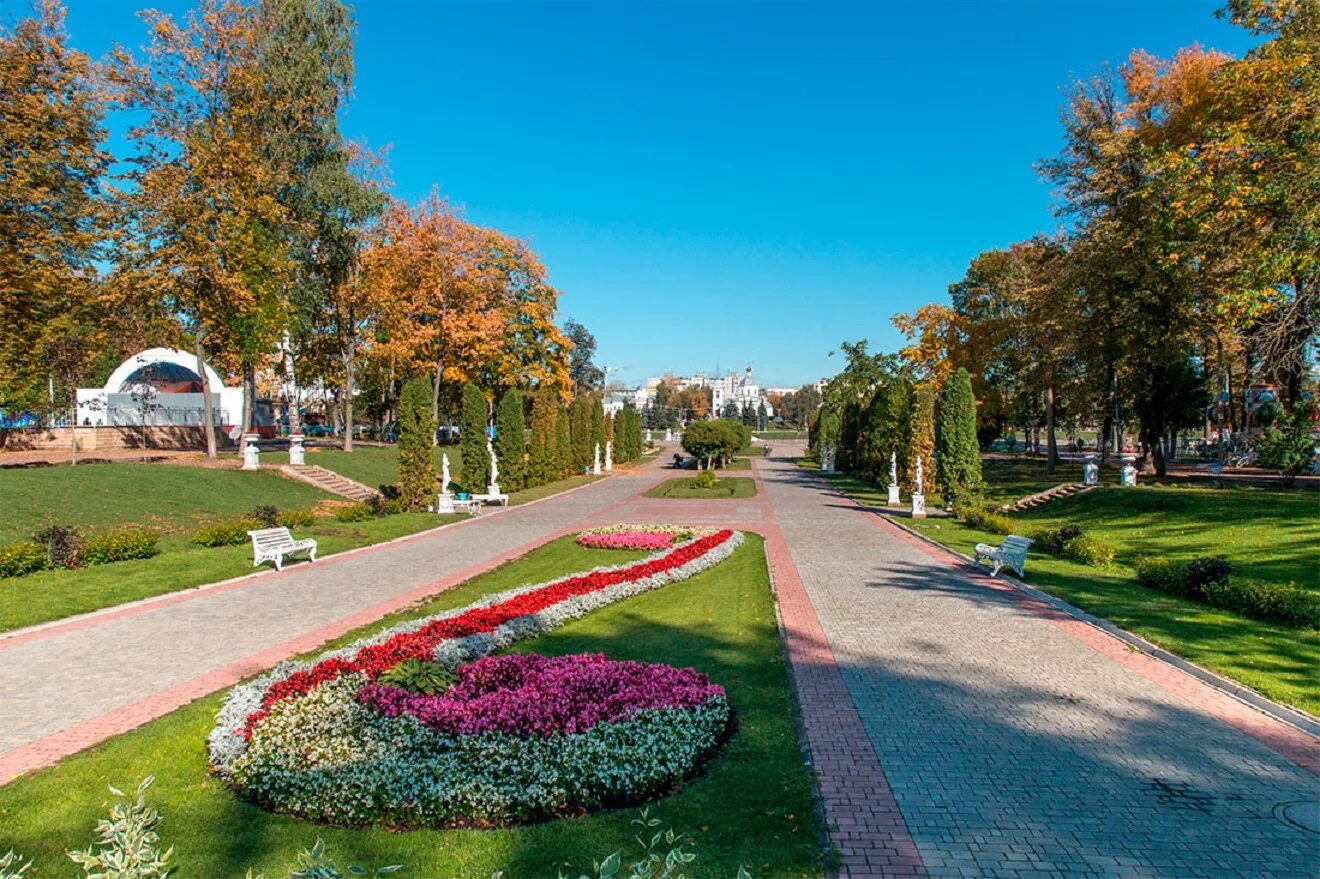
(226, 743)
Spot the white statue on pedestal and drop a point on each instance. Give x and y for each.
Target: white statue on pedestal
(494, 487)
(445, 504)
(918, 499)
(297, 454)
(595, 462)
(609, 455)
(251, 453)
(893, 479)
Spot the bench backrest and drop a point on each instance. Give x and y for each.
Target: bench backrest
(264, 537)
(1016, 543)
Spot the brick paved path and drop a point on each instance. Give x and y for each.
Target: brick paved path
(1013, 746)
(70, 685)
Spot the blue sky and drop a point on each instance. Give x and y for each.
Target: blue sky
(741, 183)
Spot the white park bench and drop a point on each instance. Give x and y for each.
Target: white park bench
(273, 544)
(501, 499)
(1012, 552)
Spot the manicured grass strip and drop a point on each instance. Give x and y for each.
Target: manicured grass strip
(726, 487)
(53, 595)
(170, 498)
(752, 807)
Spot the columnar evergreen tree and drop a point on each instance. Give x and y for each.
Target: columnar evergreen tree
(579, 428)
(598, 428)
(563, 443)
(887, 430)
(472, 434)
(511, 441)
(921, 437)
(957, 455)
(543, 457)
(416, 436)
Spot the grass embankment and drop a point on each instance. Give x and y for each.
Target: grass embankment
(684, 488)
(1267, 534)
(174, 500)
(751, 807)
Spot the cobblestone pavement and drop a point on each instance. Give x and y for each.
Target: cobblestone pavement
(67, 686)
(1015, 749)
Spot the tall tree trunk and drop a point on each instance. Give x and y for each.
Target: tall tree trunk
(350, 363)
(291, 381)
(1051, 442)
(208, 414)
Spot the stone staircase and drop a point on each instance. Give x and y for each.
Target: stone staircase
(328, 480)
(1068, 489)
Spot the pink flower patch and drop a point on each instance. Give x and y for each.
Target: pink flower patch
(626, 540)
(531, 695)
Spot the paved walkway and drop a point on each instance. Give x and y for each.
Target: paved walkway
(1018, 744)
(958, 727)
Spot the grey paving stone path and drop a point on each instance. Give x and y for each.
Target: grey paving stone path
(54, 683)
(1015, 750)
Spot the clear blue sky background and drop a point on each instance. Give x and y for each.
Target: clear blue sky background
(741, 183)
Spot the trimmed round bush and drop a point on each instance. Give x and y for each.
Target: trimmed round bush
(121, 545)
(1203, 571)
(21, 559)
(63, 545)
(226, 533)
(1087, 550)
(1160, 573)
(354, 513)
(295, 518)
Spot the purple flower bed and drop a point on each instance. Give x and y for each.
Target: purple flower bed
(533, 695)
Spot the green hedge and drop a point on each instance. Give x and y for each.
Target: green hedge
(1086, 550)
(354, 513)
(226, 533)
(121, 545)
(295, 518)
(1211, 580)
(21, 559)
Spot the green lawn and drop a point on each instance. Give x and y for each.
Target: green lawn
(781, 434)
(375, 466)
(173, 499)
(1267, 533)
(53, 595)
(685, 488)
(752, 807)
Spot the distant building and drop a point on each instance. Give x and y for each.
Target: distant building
(159, 386)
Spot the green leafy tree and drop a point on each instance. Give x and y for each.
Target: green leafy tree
(580, 430)
(1287, 446)
(472, 437)
(585, 375)
(416, 437)
(921, 434)
(957, 455)
(510, 441)
(543, 456)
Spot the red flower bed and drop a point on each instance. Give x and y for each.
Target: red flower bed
(377, 659)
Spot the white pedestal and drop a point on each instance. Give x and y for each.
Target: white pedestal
(493, 489)
(297, 454)
(918, 506)
(893, 496)
(251, 454)
(1090, 474)
(445, 503)
(1128, 475)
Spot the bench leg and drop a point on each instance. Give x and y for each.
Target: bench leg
(998, 564)
(279, 562)
(312, 553)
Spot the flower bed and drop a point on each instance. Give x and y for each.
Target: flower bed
(626, 540)
(324, 741)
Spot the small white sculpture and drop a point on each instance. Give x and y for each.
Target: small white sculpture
(251, 453)
(297, 454)
(918, 480)
(609, 455)
(595, 463)
(494, 487)
(918, 499)
(894, 499)
(444, 473)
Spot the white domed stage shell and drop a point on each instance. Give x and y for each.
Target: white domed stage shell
(159, 386)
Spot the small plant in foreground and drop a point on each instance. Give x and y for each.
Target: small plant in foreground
(419, 676)
(21, 559)
(1204, 571)
(704, 479)
(121, 545)
(128, 846)
(12, 865)
(227, 533)
(267, 515)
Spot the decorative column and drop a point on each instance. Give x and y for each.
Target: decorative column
(251, 453)
(297, 454)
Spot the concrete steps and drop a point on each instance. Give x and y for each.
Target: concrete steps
(1068, 489)
(328, 480)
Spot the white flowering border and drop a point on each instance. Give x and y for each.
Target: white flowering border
(226, 742)
(685, 531)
